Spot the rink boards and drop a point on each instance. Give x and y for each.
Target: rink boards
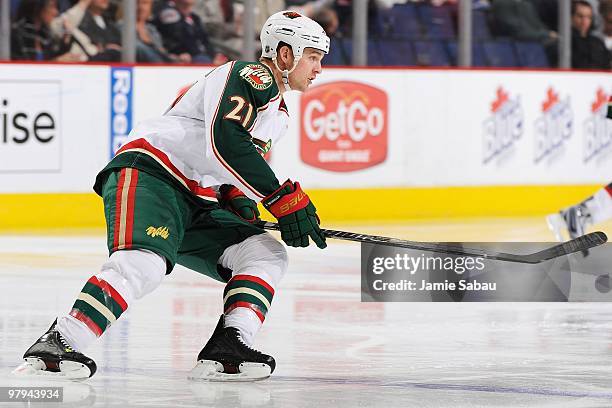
(392, 144)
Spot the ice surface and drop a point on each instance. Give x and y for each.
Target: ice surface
(331, 349)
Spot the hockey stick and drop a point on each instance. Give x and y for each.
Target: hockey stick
(575, 245)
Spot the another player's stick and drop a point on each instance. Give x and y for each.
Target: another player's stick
(575, 245)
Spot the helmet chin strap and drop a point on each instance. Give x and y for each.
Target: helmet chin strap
(285, 73)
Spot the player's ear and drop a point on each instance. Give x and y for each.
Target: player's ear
(285, 55)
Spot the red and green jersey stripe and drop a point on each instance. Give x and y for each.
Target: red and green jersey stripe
(124, 209)
(248, 291)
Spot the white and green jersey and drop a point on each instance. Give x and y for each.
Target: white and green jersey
(216, 132)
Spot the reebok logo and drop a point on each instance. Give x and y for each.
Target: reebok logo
(158, 232)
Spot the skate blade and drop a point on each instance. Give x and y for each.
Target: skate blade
(69, 370)
(556, 224)
(209, 370)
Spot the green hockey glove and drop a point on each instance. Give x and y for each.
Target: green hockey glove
(234, 200)
(297, 216)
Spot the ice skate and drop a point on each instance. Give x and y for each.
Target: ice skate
(226, 358)
(572, 221)
(52, 356)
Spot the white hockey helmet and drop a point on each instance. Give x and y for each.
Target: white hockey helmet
(294, 29)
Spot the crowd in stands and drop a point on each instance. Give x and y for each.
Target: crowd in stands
(506, 33)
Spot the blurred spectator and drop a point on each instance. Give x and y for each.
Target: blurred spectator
(113, 10)
(183, 33)
(66, 25)
(265, 8)
(223, 19)
(605, 10)
(320, 11)
(63, 5)
(31, 35)
(390, 3)
(344, 11)
(597, 22)
(309, 7)
(588, 51)
(149, 45)
(328, 20)
(219, 20)
(102, 32)
(519, 20)
(548, 11)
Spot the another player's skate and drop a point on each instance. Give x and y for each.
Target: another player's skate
(573, 220)
(226, 358)
(52, 356)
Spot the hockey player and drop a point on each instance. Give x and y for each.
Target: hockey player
(595, 209)
(575, 219)
(183, 189)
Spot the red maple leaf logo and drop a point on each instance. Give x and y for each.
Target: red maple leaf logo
(551, 99)
(292, 14)
(501, 98)
(256, 79)
(600, 100)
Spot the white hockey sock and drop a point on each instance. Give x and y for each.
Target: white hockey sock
(125, 277)
(75, 332)
(247, 323)
(258, 263)
(600, 205)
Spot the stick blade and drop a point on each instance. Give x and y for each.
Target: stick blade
(582, 243)
(602, 237)
(585, 242)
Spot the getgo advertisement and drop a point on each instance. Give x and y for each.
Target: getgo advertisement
(343, 126)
